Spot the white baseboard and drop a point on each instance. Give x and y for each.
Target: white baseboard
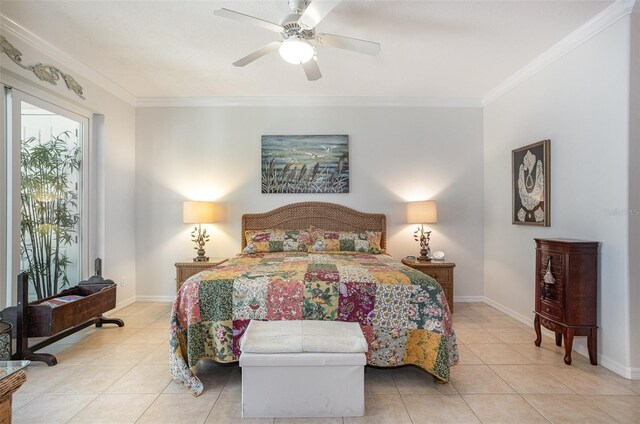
(156, 299)
(621, 370)
(513, 314)
(579, 346)
(468, 299)
(124, 303)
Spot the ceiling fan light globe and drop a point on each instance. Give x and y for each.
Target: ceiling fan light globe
(296, 51)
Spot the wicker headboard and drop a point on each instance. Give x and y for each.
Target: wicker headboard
(328, 216)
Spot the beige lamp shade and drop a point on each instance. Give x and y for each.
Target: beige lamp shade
(422, 212)
(200, 212)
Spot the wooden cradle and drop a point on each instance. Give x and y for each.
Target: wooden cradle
(37, 319)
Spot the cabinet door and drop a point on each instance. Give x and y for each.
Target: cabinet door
(552, 276)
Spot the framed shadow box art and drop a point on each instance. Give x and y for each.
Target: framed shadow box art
(531, 184)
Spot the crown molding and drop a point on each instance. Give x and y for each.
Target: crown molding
(308, 101)
(11, 27)
(595, 25)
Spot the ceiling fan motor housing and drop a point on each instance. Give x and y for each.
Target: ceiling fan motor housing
(293, 28)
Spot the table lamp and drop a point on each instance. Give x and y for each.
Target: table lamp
(422, 212)
(199, 213)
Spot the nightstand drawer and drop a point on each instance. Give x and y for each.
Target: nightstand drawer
(441, 275)
(184, 273)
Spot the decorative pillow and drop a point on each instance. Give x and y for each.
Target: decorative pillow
(275, 240)
(345, 241)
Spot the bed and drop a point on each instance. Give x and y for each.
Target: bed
(403, 313)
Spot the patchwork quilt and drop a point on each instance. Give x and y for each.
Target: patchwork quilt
(403, 313)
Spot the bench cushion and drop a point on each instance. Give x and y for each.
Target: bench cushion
(303, 336)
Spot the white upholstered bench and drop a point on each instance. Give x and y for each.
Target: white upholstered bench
(303, 369)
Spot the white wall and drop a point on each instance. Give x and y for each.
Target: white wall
(115, 148)
(397, 154)
(580, 102)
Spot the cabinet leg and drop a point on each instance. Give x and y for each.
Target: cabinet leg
(558, 339)
(536, 326)
(568, 345)
(592, 345)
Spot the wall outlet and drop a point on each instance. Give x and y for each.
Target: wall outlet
(121, 281)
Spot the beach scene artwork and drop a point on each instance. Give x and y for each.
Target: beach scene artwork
(305, 163)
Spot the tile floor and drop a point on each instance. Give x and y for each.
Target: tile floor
(120, 375)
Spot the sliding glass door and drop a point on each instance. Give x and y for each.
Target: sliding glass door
(46, 200)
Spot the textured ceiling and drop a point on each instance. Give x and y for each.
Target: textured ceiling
(180, 49)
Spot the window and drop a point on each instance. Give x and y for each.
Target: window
(46, 196)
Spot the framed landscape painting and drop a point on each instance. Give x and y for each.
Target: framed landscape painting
(531, 184)
(305, 164)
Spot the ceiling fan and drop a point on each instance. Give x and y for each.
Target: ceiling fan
(300, 38)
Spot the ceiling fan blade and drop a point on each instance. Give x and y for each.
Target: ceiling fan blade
(315, 12)
(273, 46)
(312, 69)
(241, 17)
(347, 43)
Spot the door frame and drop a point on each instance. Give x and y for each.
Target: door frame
(5, 105)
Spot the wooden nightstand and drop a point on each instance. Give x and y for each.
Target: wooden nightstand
(441, 271)
(186, 269)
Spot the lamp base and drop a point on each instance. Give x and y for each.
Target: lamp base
(201, 257)
(425, 254)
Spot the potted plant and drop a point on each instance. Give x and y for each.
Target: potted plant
(49, 209)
